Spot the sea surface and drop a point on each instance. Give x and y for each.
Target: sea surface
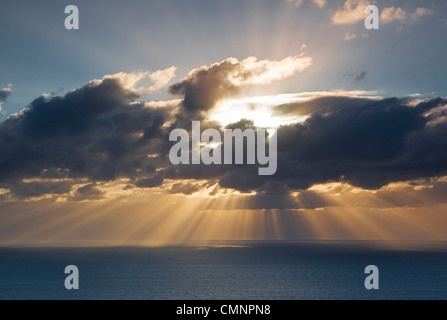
(248, 271)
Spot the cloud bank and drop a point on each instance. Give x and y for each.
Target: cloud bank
(103, 132)
(99, 132)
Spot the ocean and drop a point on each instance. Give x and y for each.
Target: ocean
(246, 271)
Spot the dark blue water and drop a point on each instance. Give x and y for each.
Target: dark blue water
(260, 271)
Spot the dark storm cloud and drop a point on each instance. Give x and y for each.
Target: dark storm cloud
(99, 132)
(204, 87)
(368, 145)
(365, 142)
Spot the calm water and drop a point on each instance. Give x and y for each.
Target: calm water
(260, 271)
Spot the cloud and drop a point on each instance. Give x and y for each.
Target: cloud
(161, 78)
(368, 144)
(319, 3)
(297, 3)
(71, 146)
(205, 86)
(88, 192)
(184, 188)
(4, 94)
(99, 132)
(157, 80)
(350, 36)
(323, 105)
(153, 182)
(363, 142)
(392, 13)
(402, 194)
(421, 12)
(357, 77)
(37, 189)
(352, 12)
(361, 76)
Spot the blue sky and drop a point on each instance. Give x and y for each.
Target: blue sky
(39, 56)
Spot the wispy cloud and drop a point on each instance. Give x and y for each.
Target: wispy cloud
(352, 12)
(392, 13)
(144, 82)
(361, 76)
(421, 12)
(349, 36)
(319, 3)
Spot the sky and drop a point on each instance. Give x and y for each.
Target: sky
(85, 118)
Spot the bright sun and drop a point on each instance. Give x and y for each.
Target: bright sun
(258, 109)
